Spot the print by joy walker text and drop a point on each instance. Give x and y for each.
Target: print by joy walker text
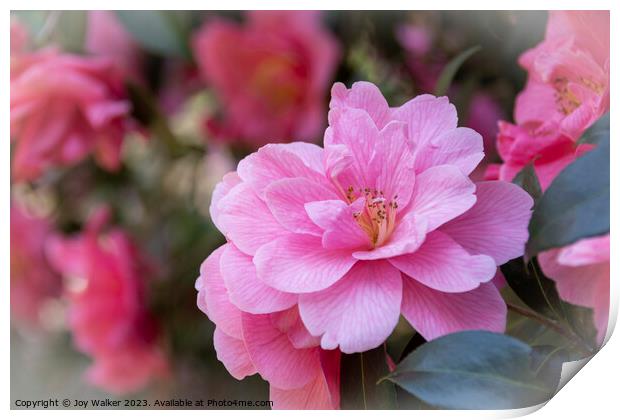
(44, 404)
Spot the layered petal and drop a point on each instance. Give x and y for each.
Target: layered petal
(233, 354)
(433, 313)
(358, 312)
(299, 264)
(213, 296)
(274, 356)
(442, 193)
(245, 290)
(497, 224)
(443, 265)
(246, 219)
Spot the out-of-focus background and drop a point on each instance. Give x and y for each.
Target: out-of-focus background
(181, 142)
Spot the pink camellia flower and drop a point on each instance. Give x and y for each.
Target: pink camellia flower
(64, 107)
(567, 90)
(19, 37)
(568, 73)
(267, 340)
(271, 74)
(33, 282)
(107, 311)
(384, 220)
(518, 146)
(106, 37)
(581, 274)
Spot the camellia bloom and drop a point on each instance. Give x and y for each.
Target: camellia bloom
(271, 74)
(550, 152)
(384, 220)
(568, 73)
(270, 342)
(567, 90)
(106, 37)
(107, 311)
(64, 107)
(581, 274)
(33, 282)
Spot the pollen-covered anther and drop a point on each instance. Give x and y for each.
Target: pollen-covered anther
(378, 216)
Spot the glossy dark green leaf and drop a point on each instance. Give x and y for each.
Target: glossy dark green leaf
(473, 370)
(527, 179)
(529, 283)
(576, 204)
(159, 31)
(449, 71)
(359, 374)
(598, 132)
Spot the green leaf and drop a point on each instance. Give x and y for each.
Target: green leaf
(527, 179)
(158, 31)
(359, 374)
(598, 132)
(529, 283)
(449, 71)
(539, 293)
(473, 370)
(65, 28)
(576, 204)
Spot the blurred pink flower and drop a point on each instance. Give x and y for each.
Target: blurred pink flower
(271, 74)
(106, 37)
(425, 62)
(64, 107)
(383, 220)
(19, 38)
(581, 274)
(567, 90)
(272, 342)
(518, 146)
(568, 73)
(107, 306)
(33, 281)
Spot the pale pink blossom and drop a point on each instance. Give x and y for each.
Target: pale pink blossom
(63, 108)
(568, 73)
(33, 282)
(384, 220)
(107, 312)
(581, 274)
(272, 342)
(106, 37)
(271, 74)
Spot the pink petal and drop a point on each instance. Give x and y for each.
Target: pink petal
(357, 313)
(274, 162)
(461, 147)
(213, 296)
(362, 95)
(497, 224)
(442, 193)
(246, 220)
(408, 236)
(315, 395)
(233, 354)
(229, 181)
(428, 118)
(433, 313)
(299, 264)
(289, 322)
(336, 218)
(443, 265)
(394, 163)
(245, 289)
(286, 199)
(274, 356)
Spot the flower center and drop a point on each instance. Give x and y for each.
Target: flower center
(378, 216)
(566, 100)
